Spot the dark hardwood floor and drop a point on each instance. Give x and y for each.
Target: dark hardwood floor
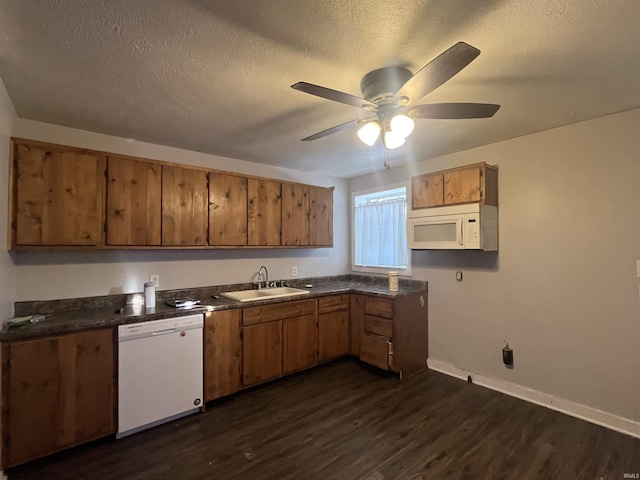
(342, 421)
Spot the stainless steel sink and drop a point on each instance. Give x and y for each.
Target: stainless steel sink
(264, 294)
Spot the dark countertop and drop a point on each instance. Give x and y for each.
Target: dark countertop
(108, 316)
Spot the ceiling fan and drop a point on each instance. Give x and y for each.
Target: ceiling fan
(390, 93)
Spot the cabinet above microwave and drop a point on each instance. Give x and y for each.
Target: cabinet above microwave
(458, 227)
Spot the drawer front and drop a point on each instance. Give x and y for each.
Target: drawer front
(376, 351)
(279, 311)
(333, 303)
(378, 326)
(378, 307)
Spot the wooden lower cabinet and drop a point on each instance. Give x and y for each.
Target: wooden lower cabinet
(392, 332)
(333, 327)
(300, 342)
(222, 353)
(376, 351)
(261, 352)
(57, 392)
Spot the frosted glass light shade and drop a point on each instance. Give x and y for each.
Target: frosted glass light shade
(369, 133)
(401, 125)
(393, 140)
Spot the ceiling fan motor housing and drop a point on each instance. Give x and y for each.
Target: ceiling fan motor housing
(383, 83)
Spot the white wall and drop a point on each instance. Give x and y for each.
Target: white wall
(45, 276)
(563, 288)
(7, 274)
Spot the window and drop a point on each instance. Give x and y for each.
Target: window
(380, 230)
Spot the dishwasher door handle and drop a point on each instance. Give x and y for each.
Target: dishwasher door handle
(164, 332)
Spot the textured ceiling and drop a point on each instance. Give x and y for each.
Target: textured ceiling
(214, 76)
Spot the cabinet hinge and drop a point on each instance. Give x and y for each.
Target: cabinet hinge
(480, 173)
(481, 194)
(14, 225)
(106, 175)
(15, 163)
(104, 227)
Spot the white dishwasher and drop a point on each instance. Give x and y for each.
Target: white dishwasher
(159, 372)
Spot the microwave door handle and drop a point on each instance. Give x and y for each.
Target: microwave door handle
(461, 241)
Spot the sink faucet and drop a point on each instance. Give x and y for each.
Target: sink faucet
(262, 278)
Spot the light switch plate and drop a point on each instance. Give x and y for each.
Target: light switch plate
(638, 268)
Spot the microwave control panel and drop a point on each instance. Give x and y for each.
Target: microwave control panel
(472, 231)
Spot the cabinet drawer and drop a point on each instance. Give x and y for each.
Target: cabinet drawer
(376, 351)
(378, 326)
(378, 307)
(333, 303)
(279, 311)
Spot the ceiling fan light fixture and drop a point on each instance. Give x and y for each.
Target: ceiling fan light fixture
(392, 140)
(369, 133)
(401, 125)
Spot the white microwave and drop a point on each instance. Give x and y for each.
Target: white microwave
(457, 227)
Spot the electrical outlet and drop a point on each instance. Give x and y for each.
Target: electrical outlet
(294, 271)
(155, 279)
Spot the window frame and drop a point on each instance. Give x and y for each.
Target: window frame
(403, 272)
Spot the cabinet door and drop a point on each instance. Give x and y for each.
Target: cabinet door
(58, 196)
(300, 343)
(261, 352)
(333, 335)
(227, 210)
(320, 217)
(58, 392)
(295, 214)
(133, 202)
(222, 354)
(184, 206)
(427, 191)
(264, 212)
(463, 185)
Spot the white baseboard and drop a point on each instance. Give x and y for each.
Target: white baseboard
(583, 412)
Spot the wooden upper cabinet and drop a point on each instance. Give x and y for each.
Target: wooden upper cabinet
(321, 217)
(133, 202)
(463, 185)
(57, 196)
(427, 191)
(295, 214)
(227, 209)
(476, 183)
(184, 206)
(63, 197)
(264, 215)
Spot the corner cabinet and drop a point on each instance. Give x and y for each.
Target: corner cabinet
(321, 217)
(71, 198)
(57, 196)
(476, 183)
(57, 392)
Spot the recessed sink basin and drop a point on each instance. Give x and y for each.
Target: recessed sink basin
(264, 294)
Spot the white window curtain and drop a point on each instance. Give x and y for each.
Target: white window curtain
(381, 233)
